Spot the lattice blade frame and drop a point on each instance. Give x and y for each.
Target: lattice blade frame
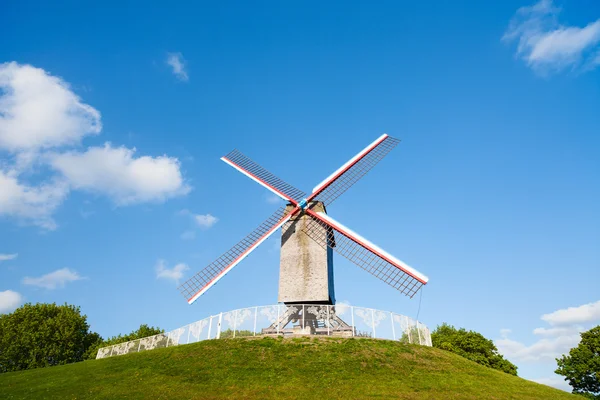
(348, 174)
(365, 254)
(257, 173)
(206, 278)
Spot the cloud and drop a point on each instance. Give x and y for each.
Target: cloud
(31, 204)
(40, 118)
(9, 300)
(126, 179)
(177, 64)
(564, 333)
(54, 280)
(175, 273)
(7, 257)
(559, 338)
(546, 46)
(38, 110)
(574, 315)
(188, 235)
(554, 381)
(273, 199)
(544, 350)
(205, 221)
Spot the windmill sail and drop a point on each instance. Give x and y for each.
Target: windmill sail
(257, 173)
(206, 278)
(365, 254)
(348, 174)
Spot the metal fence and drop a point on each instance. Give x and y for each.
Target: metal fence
(287, 320)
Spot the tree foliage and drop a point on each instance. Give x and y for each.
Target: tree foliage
(142, 332)
(41, 335)
(471, 345)
(582, 366)
(228, 333)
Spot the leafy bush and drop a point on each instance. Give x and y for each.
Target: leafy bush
(471, 345)
(42, 335)
(238, 333)
(142, 332)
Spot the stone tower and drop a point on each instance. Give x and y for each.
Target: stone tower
(306, 266)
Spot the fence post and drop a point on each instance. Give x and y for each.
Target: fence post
(168, 338)
(393, 329)
(278, 319)
(255, 315)
(327, 319)
(235, 322)
(373, 323)
(409, 329)
(209, 326)
(419, 332)
(303, 326)
(139, 345)
(111, 350)
(352, 312)
(219, 326)
(189, 330)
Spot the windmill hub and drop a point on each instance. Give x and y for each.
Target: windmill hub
(303, 203)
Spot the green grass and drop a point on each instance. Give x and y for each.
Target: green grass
(265, 368)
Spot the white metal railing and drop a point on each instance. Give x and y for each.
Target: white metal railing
(287, 320)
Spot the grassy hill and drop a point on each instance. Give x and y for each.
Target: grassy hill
(265, 368)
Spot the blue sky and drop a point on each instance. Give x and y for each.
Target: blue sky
(113, 119)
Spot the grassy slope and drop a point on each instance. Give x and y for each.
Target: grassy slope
(264, 368)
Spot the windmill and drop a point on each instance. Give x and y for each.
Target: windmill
(309, 235)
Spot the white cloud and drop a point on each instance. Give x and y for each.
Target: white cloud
(554, 381)
(31, 204)
(123, 177)
(177, 64)
(557, 331)
(574, 315)
(273, 199)
(552, 342)
(544, 350)
(555, 340)
(9, 300)
(7, 257)
(54, 280)
(175, 273)
(205, 221)
(188, 235)
(38, 110)
(40, 117)
(546, 46)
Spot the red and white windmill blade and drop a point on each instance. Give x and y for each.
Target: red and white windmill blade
(347, 243)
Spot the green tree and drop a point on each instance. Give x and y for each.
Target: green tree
(582, 366)
(412, 335)
(42, 335)
(142, 332)
(471, 345)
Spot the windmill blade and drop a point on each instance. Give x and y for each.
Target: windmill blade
(348, 174)
(197, 285)
(365, 254)
(257, 173)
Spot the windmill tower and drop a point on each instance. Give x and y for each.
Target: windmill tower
(306, 265)
(309, 235)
